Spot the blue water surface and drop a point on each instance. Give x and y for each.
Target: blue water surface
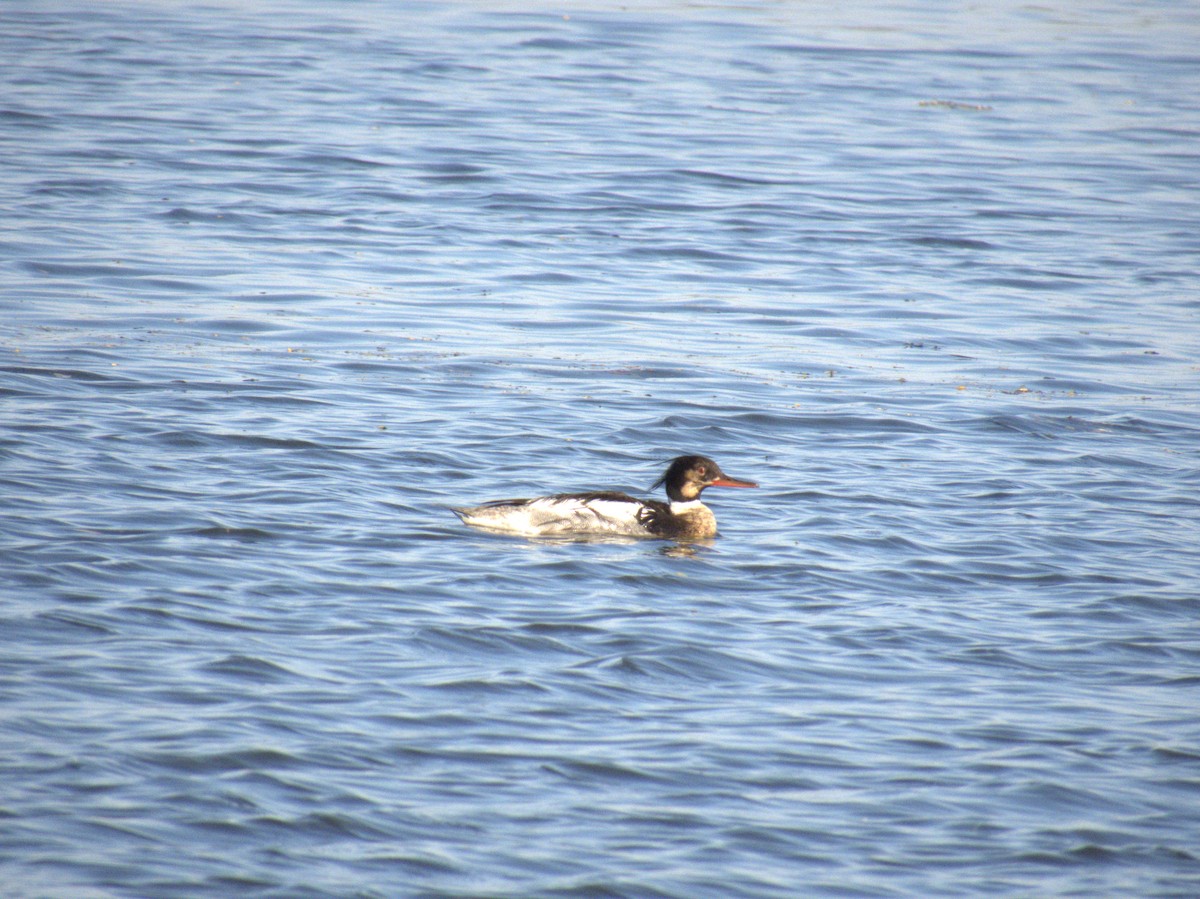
(283, 283)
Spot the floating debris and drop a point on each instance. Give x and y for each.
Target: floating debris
(954, 104)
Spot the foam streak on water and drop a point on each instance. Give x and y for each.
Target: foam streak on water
(279, 287)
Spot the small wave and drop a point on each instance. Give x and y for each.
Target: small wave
(228, 762)
(246, 535)
(249, 668)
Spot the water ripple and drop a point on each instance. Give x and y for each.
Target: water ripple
(281, 290)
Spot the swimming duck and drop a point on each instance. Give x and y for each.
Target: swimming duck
(684, 517)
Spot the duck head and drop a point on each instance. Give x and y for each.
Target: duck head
(688, 476)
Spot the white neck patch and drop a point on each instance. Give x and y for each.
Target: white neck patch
(689, 506)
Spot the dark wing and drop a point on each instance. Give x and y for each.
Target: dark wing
(608, 496)
(655, 517)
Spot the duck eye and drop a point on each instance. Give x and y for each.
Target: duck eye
(701, 470)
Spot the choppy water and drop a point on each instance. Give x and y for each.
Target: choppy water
(281, 285)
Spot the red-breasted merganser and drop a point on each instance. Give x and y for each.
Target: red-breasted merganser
(616, 514)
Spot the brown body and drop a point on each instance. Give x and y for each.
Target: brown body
(678, 521)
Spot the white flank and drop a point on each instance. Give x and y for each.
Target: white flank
(552, 516)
